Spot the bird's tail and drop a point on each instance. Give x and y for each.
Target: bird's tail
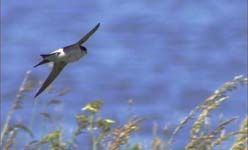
(44, 56)
(44, 61)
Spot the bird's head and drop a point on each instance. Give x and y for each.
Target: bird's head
(83, 49)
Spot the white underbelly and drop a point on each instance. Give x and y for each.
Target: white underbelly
(69, 55)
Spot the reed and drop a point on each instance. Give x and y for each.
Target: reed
(105, 134)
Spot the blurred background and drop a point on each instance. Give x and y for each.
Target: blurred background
(167, 56)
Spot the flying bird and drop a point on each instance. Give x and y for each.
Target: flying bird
(62, 57)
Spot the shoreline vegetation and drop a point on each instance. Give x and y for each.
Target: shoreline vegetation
(104, 134)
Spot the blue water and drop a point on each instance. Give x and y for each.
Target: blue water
(168, 56)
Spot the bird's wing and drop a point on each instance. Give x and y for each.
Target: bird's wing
(86, 37)
(57, 68)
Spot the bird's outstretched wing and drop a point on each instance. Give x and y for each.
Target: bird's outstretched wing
(57, 68)
(88, 35)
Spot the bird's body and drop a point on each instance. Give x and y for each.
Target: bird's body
(67, 54)
(61, 57)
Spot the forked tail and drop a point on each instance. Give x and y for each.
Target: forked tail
(44, 61)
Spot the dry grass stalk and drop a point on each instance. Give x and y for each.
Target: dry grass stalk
(200, 139)
(121, 135)
(27, 85)
(211, 103)
(241, 142)
(10, 140)
(204, 114)
(215, 100)
(208, 140)
(156, 143)
(224, 137)
(12, 133)
(205, 140)
(182, 123)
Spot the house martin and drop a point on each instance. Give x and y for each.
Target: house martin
(62, 57)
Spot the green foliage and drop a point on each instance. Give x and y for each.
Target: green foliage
(136, 147)
(82, 121)
(105, 124)
(93, 107)
(53, 139)
(89, 122)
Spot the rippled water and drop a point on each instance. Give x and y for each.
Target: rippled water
(167, 56)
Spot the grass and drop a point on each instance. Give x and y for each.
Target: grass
(104, 134)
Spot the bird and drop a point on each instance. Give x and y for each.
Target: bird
(63, 56)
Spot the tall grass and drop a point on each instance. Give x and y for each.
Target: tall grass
(105, 134)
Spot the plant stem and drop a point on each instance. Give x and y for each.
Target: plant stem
(33, 113)
(91, 129)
